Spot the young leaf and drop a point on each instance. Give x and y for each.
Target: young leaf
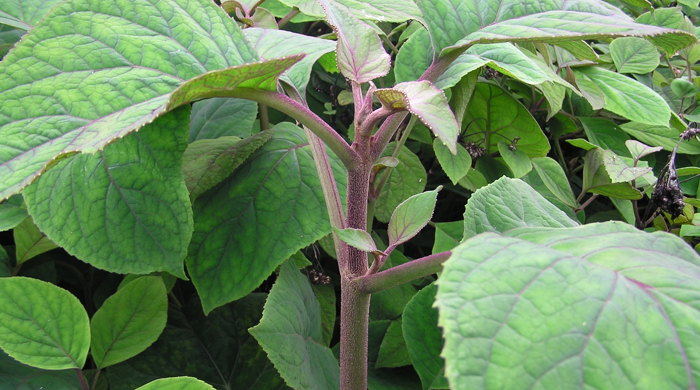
(357, 238)
(125, 209)
(509, 203)
(411, 216)
(634, 55)
(129, 321)
(278, 188)
(290, 333)
(625, 96)
(428, 103)
(95, 71)
(455, 166)
(29, 241)
(360, 54)
(206, 163)
(575, 296)
(42, 325)
(177, 383)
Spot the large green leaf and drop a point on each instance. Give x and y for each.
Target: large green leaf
(596, 306)
(96, 71)
(360, 54)
(11, 212)
(456, 166)
(634, 55)
(494, 116)
(424, 339)
(406, 179)
(125, 209)
(271, 44)
(290, 332)
(129, 321)
(216, 349)
(177, 383)
(24, 14)
(268, 209)
(557, 26)
(429, 104)
(42, 325)
(624, 96)
(380, 10)
(507, 204)
(664, 136)
(220, 117)
(451, 20)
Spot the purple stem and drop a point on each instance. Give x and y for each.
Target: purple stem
(403, 273)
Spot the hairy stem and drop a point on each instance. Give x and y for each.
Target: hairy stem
(403, 273)
(354, 320)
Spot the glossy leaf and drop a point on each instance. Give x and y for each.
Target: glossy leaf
(556, 26)
(356, 238)
(507, 204)
(96, 71)
(290, 333)
(428, 103)
(625, 96)
(424, 339)
(278, 188)
(455, 166)
(125, 209)
(24, 14)
(129, 321)
(664, 136)
(271, 44)
(408, 178)
(216, 348)
(29, 241)
(493, 116)
(220, 117)
(411, 216)
(42, 325)
(583, 297)
(177, 383)
(206, 163)
(11, 213)
(360, 54)
(634, 55)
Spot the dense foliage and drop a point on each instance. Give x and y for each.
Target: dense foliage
(199, 194)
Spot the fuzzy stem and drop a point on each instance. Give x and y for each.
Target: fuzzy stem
(354, 327)
(439, 66)
(382, 137)
(299, 112)
(403, 273)
(294, 12)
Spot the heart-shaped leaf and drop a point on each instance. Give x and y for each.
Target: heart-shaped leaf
(42, 325)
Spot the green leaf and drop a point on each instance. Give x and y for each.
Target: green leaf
(290, 333)
(42, 325)
(428, 103)
(583, 297)
(619, 170)
(683, 88)
(625, 96)
(278, 188)
(216, 348)
(493, 116)
(663, 136)
(381, 10)
(129, 321)
(554, 178)
(455, 166)
(447, 235)
(139, 219)
(507, 204)
(6, 264)
(557, 26)
(177, 383)
(392, 350)
(408, 178)
(411, 216)
(29, 241)
(17, 376)
(11, 213)
(95, 71)
(24, 14)
(271, 44)
(634, 55)
(414, 57)
(360, 54)
(596, 178)
(327, 301)
(219, 117)
(424, 339)
(357, 238)
(605, 134)
(518, 162)
(206, 162)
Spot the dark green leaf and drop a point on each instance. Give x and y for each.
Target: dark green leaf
(17, 376)
(29, 241)
(447, 235)
(11, 213)
(392, 351)
(518, 162)
(455, 166)
(219, 117)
